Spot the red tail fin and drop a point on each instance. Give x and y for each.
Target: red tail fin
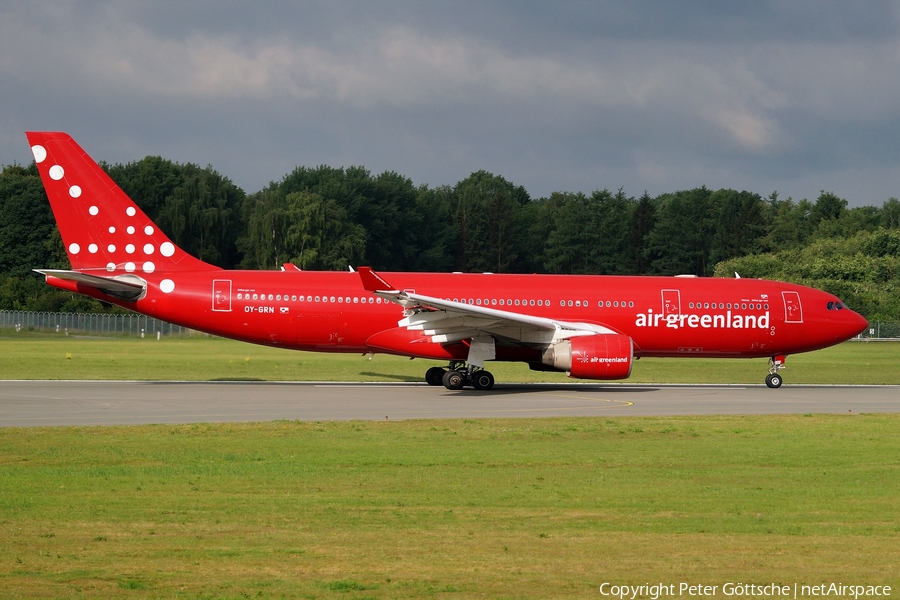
(101, 227)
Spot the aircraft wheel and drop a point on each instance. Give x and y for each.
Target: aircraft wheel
(482, 380)
(453, 380)
(773, 380)
(435, 376)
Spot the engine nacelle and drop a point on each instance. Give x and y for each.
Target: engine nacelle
(592, 356)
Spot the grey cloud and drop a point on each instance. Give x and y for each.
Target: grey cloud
(574, 96)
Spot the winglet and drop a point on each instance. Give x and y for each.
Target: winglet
(373, 282)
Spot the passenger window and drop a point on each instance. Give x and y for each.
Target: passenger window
(501, 302)
(570, 303)
(630, 304)
(531, 302)
(616, 303)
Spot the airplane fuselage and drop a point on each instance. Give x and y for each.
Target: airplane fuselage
(665, 316)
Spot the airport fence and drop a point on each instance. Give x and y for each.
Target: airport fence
(881, 330)
(135, 324)
(90, 323)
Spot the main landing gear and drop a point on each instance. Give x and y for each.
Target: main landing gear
(773, 379)
(458, 376)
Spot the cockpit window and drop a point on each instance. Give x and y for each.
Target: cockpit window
(830, 306)
(839, 306)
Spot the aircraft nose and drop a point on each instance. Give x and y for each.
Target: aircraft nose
(859, 323)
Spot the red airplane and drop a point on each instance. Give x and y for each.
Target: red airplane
(588, 326)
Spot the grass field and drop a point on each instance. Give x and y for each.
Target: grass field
(28, 355)
(545, 508)
(487, 508)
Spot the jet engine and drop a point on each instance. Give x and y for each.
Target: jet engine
(601, 356)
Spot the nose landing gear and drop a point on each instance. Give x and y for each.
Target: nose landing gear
(773, 379)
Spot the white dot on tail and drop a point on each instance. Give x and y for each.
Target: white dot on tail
(74, 248)
(40, 154)
(94, 211)
(148, 230)
(167, 286)
(149, 267)
(93, 248)
(130, 211)
(148, 248)
(167, 249)
(110, 266)
(112, 229)
(129, 248)
(111, 247)
(130, 230)
(129, 266)
(75, 191)
(56, 172)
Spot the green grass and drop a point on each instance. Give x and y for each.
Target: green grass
(512, 508)
(28, 355)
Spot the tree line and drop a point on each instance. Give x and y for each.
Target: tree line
(330, 218)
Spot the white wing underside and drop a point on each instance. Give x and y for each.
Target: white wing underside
(446, 321)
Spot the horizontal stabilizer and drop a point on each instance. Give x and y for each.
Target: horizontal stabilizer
(126, 287)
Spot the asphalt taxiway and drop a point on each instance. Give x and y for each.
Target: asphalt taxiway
(41, 403)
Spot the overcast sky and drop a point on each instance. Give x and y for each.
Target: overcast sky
(555, 96)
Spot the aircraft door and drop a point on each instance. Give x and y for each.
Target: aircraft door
(221, 295)
(671, 302)
(793, 311)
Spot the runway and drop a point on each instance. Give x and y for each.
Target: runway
(42, 403)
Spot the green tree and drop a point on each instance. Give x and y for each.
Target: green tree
(740, 224)
(486, 210)
(791, 224)
(681, 238)
(319, 236)
(26, 222)
(643, 218)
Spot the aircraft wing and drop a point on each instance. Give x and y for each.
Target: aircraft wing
(446, 321)
(127, 287)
